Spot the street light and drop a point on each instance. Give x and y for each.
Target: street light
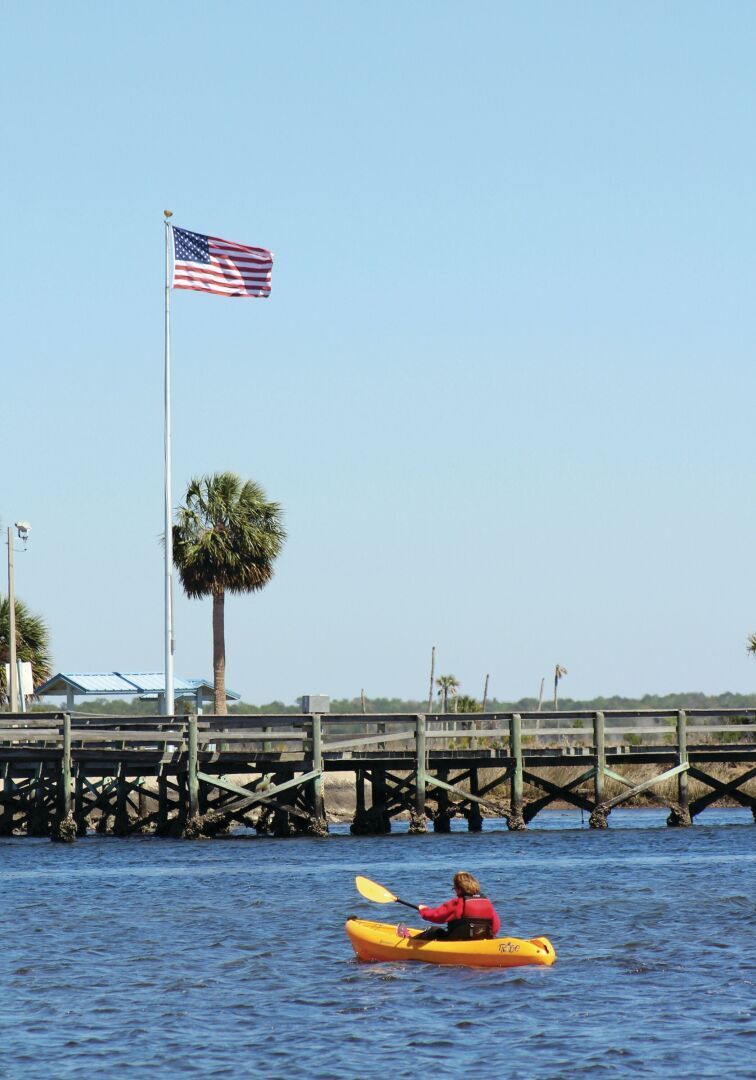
(23, 528)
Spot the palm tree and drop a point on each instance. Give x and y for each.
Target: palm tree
(466, 704)
(32, 643)
(226, 539)
(447, 685)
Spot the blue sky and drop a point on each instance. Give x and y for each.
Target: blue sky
(503, 387)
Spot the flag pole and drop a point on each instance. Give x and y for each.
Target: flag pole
(168, 699)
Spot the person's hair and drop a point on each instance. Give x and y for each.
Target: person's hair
(466, 883)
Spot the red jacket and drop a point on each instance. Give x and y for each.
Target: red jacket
(474, 907)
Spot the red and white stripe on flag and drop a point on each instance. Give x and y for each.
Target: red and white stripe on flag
(209, 264)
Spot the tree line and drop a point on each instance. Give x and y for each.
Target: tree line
(692, 700)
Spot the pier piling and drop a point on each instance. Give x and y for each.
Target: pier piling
(515, 819)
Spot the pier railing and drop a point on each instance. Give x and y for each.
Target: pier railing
(55, 764)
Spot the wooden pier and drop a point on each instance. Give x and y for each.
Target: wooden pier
(62, 773)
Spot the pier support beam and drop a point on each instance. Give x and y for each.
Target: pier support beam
(679, 816)
(121, 821)
(318, 825)
(418, 820)
(192, 767)
(473, 813)
(381, 820)
(281, 824)
(598, 818)
(161, 824)
(79, 809)
(9, 793)
(442, 817)
(37, 822)
(359, 794)
(515, 819)
(64, 828)
(374, 821)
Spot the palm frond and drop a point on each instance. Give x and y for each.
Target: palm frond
(32, 643)
(227, 536)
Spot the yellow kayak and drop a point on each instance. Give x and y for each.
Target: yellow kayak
(380, 941)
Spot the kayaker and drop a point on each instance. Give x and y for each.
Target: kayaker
(469, 915)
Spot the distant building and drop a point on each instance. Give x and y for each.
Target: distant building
(146, 685)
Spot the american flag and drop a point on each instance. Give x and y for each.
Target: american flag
(208, 264)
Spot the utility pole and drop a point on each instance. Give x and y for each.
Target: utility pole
(433, 672)
(13, 679)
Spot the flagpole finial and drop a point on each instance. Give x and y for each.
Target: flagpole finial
(168, 213)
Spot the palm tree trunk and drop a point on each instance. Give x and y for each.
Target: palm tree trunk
(219, 651)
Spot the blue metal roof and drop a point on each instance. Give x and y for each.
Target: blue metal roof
(146, 681)
(120, 682)
(103, 683)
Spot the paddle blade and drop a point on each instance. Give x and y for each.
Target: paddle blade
(371, 890)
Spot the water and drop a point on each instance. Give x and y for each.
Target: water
(153, 957)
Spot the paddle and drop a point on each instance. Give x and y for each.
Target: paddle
(379, 894)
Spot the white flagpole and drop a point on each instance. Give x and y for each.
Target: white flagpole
(168, 700)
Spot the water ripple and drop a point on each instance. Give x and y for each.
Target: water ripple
(175, 959)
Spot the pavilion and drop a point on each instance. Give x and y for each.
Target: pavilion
(145, 685)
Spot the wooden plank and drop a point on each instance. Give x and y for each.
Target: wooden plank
(251, 736)
(561, 791)
(721, 790)
(744, 729)
(435, 782)
(84, 721)
(334, 720)
(163, 735)
(477, 733)
(534, 807)
(23, 720)
(270, 793)
(255, 722)
(367, 740)
(365, 719)
(645, 786)
(29, 734)
(617, 777)
(287, 808)
(497, 781)
(229, 785)
(110, 735)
